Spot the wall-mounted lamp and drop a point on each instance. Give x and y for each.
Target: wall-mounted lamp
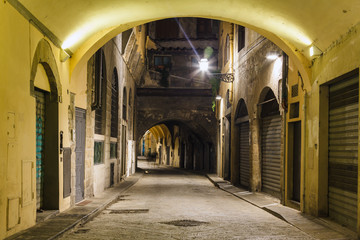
(273, 55)
(225, 77)
(64, 55)
(314, 51)
(204, 64)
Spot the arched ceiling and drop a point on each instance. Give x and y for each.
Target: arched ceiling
(160, 131)
(299, 23)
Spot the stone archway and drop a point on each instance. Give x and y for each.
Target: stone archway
(44, 56)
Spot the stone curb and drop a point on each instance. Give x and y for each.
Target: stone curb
(274, 213)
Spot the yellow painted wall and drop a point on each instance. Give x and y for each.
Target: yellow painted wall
(18, 43)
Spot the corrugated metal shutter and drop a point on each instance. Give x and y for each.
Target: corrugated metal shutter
(40, 131)
(270, 149)
(244, 154)
(343, 151)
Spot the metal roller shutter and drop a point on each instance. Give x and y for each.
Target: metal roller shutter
(343, 151)
(244, 154)
(40, 130)
(270, 149)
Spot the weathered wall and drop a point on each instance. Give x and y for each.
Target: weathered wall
(253, 73)
(18, 44)
(98, 176)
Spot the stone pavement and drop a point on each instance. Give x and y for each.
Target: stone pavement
(319, 228)
(81, 213)
(175, 204)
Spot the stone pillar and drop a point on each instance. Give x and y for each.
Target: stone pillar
(255, 153)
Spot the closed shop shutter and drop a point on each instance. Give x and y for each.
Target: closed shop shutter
(270, 149)
(244, 154)
(40, 132)
(343, 151)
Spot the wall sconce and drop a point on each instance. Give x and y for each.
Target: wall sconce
(64, 55)
(273, 55)
(314, 51)
(204, 64)
(225, 77)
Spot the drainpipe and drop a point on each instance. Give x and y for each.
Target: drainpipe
(231, 66)
(284, 102)
(304, 144)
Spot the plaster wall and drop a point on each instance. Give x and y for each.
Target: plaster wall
(17, 158)
(253, 73)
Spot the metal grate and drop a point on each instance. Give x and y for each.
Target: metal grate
(185, 223)
(127, 211)
(295, 90)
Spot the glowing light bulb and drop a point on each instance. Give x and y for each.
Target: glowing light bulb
(204, 64)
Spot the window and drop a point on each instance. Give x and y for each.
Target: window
(227, 49)
(98, 152)
(113, 150)
(228, 103)
(206, 28)
(125, 38)
(99, 92)
(114, 105)
(124, 104)
(167, 29)
(162, 62)
(130, 98)
(241, 37)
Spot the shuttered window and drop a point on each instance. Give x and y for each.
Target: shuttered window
(124, 112)
(99, 103)
(114, 105)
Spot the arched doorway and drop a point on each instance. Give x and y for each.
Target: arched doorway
(242, 123)
(46, 88)
(270, 143)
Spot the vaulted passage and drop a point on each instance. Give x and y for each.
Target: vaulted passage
(262, 99)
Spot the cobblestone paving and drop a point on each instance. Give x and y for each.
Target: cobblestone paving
(173, 204)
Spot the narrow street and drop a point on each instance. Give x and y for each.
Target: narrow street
(167, 203)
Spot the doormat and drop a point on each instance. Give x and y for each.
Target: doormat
(83, 203)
